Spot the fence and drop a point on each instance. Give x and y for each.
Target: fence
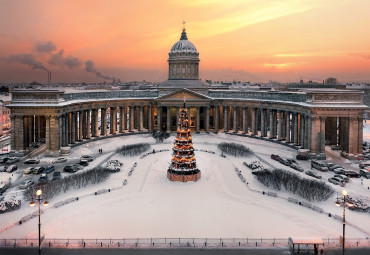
(173, 242)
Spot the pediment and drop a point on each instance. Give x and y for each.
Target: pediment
(184, 93)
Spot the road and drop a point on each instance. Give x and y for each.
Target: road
(170, 251)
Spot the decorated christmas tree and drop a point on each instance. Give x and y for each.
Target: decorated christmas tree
(183, 166)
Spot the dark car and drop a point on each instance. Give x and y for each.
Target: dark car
(70, 169)
(49, 169)
(43, 179)
(284, 161)
(56, 176)
(39, 170)
(343, 178)
(83, 163)
(31, 161)
(351, 174)
(302, 157)
(365, 174)
(275, 157)
(364, 164)
(3, 160)
(310, 173)
(296, 167)
(332, 167)
(291, 161)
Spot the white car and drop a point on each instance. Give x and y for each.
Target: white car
(25, 184)
(29, 170)
(60, 160)
(11, 168)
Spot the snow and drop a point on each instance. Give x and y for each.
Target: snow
(218, 205)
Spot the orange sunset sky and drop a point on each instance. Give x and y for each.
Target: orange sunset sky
(246, 40)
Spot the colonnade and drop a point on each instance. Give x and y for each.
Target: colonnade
(296, 127)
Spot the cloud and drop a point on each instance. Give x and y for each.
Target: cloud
(69, 61)
(360, 55)
(90, 67)
(45, 47)
(27, 59)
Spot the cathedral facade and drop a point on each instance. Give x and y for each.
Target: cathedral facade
(309, 119)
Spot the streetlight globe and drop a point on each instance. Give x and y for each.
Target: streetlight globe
(39, 192)
(337, 203)
(344, 192)
(32, 203)
(46, 203)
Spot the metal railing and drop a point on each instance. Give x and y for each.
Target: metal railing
(172, 242)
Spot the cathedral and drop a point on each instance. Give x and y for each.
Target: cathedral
(306, 118)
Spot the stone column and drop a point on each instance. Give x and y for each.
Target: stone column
(217, 121)
(52, 136)
(113, 120)
(263, 123)
(254, 122)
(95, 120)
(88, 127)
(159, 116)
(235, 128)
(131, 118)
(141, 125)
(287, 132)
(64, 136)
(271, 135)
(226, 126)
(12, 133)
(198, 120)
(150, 117)
(168, 119)
(244, 120)
(84, 125)
(295, 128)
(80, 125)
(322, 135)
(19, 133)
(207, 119)
(121, 126)
(103, 121)
(360, 137)
(73, 127)
(302, 130)
(279, 126)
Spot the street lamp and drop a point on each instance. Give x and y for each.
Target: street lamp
(46, 203)
(350, 204)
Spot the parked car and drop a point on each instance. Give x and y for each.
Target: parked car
(59, 160)
(78, 166)
(86, 158)
(56, 176)
(3, 160)
(38, 170)
(365, 174)
(336, 181)
(70, 169)
(341, 177)
(351, 174)
(275, 157)
(11, 168)
(284, 161)
(319, 165)
(339, 170)
(49, 169)
(292, 161)
(332, 167)
(302, 157)
(364, 164)
(26, 184)
(11, 160)
(29, 170)
(43, 179)
(296, 167)
(310, 173)
(32, 161)
(83, 163)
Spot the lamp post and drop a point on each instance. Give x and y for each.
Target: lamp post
(350, 204)
(32, 203)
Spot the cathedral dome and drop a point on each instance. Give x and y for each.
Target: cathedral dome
(183, 45)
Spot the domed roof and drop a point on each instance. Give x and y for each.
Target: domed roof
(183, 45)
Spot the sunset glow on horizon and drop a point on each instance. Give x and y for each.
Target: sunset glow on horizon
(246, 40)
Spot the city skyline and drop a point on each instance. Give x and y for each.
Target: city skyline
(253, 41)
